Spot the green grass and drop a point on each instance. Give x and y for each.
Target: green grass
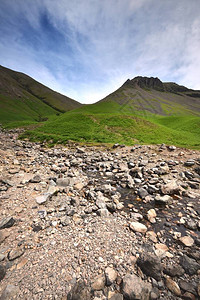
(113, 123)
(13, 112)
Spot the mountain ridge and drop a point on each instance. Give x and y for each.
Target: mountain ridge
(152, 95)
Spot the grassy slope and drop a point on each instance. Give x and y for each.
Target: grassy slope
(111, 123)
(14, 112)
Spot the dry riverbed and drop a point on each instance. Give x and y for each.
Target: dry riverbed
(90, 223)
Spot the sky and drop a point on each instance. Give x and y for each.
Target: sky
(86, 49)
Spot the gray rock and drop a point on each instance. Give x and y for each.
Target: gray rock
(111, 275)
(150, 265)
(65, 182)
(65, 220)
(79, 292)
(7, 222)
(2, 272)
(174, 270)
(189, 265)
(187, 287)
(189, 163)
(134, 288)
(35, 179)
(171, 188)
(103, 212)
(142, 193)
(10, 292)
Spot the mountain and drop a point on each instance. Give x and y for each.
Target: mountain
(23, 98)
(151, 95)
(143, 110)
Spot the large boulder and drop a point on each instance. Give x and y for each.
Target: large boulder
(133, 287)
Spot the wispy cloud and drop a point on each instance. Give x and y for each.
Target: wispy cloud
(86, 49)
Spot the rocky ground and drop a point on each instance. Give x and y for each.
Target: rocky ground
(85, 223)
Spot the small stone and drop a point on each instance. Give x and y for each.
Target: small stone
(189, 163)
(152, 236)
(142, 193)
(15, 253)
(7, 222)
(138, 227)
(103, 212)
(111, 275)
(163, 200)
(10, 292)
(151, 215)
(42, 198)
(172, 286)
(35, 179)
(99, 283)
(187, 240)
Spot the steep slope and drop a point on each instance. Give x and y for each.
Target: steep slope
(146, 96)
(23, 98)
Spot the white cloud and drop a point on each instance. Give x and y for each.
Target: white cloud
(112, 40)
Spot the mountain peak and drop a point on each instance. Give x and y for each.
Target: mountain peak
(145, 82)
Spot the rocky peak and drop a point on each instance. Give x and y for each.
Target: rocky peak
(146, 82)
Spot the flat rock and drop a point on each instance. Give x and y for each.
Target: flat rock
(172, 286)
(133, 287)
(138, 227)
(7, 222)
(42, 198)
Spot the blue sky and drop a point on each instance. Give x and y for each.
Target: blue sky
(86, 49)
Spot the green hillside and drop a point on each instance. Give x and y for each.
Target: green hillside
(24, 100)
(111, 123)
